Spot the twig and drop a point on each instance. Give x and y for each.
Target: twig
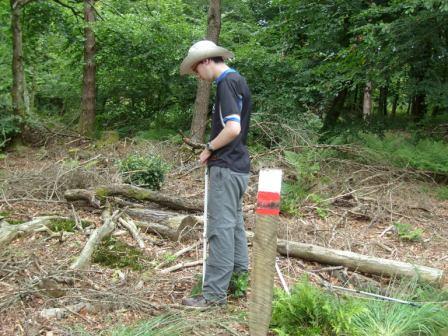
(181, 265)
(178, 254)
(190, 142)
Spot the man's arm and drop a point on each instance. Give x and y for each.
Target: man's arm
(229, 133)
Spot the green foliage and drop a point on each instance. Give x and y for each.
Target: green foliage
(306, 166)
(146, 171)
(156, 134)
(399, 149)
(392, 319)
(67, 225)
(197, 288)
(239, 284)
(311, 311)
(405, 232)
(9, 127)
(163, 325)
(442, 193)
(116, 254)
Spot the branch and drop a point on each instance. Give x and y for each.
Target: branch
(74, 10)
(191, 143)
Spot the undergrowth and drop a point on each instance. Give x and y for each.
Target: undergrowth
(148, 171)
(311, 311)
(117, 254)
(399, 149)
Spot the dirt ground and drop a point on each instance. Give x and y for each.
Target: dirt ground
(357, 214)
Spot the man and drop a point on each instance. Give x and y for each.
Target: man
(228, 162)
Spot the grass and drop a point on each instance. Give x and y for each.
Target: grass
(179, 324)
(442, 193)
(312, 311)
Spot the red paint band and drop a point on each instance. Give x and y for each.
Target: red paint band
(268, 203)
(275, 212)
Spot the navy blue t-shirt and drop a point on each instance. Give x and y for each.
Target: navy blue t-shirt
(232, 98)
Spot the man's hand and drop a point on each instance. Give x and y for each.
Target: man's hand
(205, 154)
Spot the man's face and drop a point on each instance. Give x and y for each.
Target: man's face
(203, 70)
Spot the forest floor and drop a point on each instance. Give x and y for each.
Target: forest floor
(357, 213)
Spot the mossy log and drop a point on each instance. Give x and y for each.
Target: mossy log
(9, 232)
(132, 192)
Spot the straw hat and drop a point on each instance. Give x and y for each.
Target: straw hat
(202, 50)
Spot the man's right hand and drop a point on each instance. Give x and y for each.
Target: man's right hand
(205, 154)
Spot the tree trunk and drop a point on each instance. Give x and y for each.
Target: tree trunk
(199, 121)
(335, 109)
(133, 192)
(395, 105)
(418, 108)
(358, 262)
(18, 74)
(382, 103)
(87, 117)
(367, 103)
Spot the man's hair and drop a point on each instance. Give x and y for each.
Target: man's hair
(217, 59)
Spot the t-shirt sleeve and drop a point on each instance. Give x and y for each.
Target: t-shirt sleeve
(231, 101)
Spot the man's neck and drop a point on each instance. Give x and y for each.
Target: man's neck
(220, 68)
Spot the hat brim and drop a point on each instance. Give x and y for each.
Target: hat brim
(186, 67)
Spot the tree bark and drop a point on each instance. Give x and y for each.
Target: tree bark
(358, 262)
(95, 238)
(129, 191)
(367, 103)
(395, 105)
(418, 108)
(10, 232)
(18, 74)
(335, 109)
(382, 104)
(87, 117)
(199, 121)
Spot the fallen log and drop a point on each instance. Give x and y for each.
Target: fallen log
(178, 228)
(132, 192)
(95, 238)
(129, 225)
(358, 262)
(9, 232)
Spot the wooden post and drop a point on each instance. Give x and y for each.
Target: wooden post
(264, 251)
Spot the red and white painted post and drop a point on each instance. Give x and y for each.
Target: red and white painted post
(264, 251)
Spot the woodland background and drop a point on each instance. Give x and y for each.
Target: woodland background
(349, 98)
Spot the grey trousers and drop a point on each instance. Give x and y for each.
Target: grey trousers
(225, 231)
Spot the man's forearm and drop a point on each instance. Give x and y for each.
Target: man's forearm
(229, 133)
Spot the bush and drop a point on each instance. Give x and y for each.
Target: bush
(312, 311)
(306, 166)
(308, 311)
(148, 171)
(399, 149)
(9, 127)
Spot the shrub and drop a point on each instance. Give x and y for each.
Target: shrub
(305, 168)
(9, 127)
(310, 311)
(144, 171)
(405, 232)
(399, 149)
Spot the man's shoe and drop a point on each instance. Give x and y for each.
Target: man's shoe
(201, 302)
